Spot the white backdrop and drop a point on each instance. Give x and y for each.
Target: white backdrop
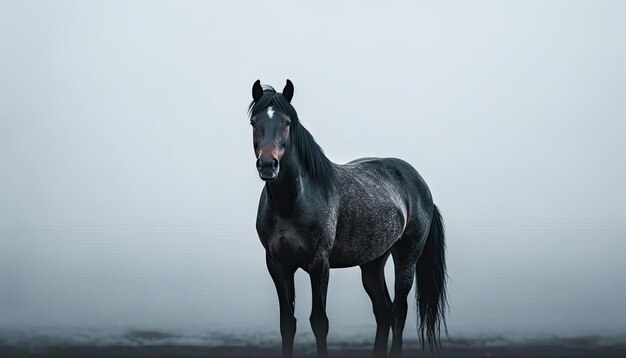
(128, 189)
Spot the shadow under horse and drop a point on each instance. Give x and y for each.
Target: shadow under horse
(317, 215)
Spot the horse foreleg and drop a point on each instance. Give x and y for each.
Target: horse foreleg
(319, 274)
(286, 299)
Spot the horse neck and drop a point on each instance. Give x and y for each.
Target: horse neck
(285, 190)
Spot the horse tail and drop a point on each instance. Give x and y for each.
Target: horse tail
(430, 293)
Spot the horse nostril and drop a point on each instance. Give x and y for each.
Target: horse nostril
(267, 164)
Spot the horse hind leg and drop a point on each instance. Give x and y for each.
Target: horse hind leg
(405, 254)
(373, 276)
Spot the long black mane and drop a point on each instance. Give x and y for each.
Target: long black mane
(315, 163)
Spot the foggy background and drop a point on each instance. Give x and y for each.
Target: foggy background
(128, 189)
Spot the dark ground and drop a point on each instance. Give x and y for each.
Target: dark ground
(572, 347)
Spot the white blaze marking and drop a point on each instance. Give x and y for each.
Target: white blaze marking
(270, 112)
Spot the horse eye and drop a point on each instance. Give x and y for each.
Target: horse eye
(253, 124)
(287, 123)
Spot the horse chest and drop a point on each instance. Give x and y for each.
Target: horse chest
(289, 241)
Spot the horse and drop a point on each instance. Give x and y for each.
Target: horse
(316, 215)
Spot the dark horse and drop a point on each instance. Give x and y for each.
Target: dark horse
(317, 215)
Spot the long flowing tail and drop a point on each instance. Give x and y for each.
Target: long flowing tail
(430, 293)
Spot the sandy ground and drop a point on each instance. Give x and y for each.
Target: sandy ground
(581, 347)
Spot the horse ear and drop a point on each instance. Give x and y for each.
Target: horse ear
(257, 91)
(288, 91)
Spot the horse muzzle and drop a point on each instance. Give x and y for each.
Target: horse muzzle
(268, 168)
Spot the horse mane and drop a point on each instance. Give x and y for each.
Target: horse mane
(315, 163)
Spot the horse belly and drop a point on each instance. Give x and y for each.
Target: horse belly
(367, 237)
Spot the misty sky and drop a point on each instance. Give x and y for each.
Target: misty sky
(128, 190)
